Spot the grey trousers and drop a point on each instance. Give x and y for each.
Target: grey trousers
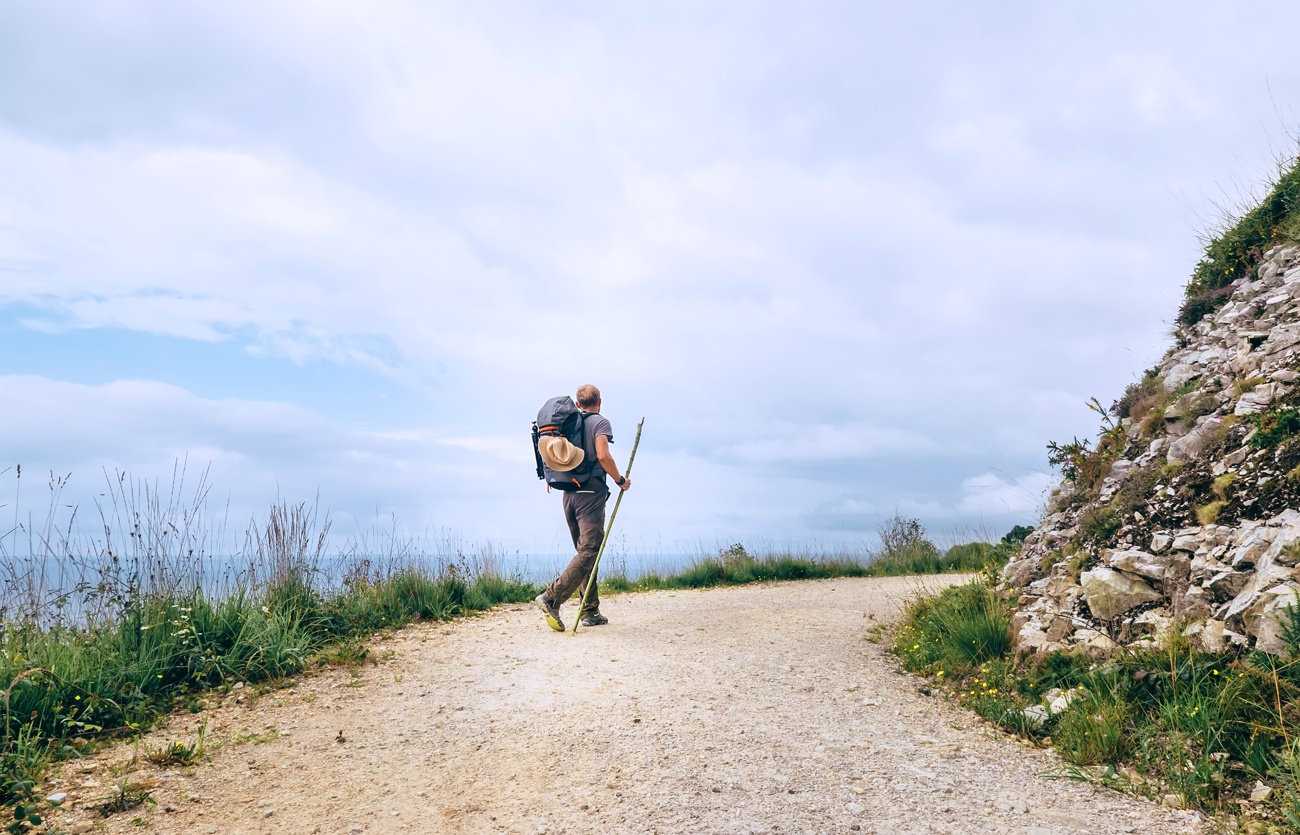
(585, 513)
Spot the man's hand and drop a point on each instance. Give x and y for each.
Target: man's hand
(626, 485)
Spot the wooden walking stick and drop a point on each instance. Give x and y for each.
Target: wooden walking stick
(591, 578)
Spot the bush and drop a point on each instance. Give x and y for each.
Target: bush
(1231, 255)
(905, 549)
(1203, 726)
(1095, 728)
(955, 630)
(1273, 426)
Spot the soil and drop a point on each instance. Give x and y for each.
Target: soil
(741, 710)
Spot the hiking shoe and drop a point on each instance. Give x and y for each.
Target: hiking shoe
(552, 613)
(594, 620)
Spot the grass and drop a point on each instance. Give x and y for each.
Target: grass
(1178, 721)
(731, 568)
(905, 549)
(141, 630)
(1231, 255)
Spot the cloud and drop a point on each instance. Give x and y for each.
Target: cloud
(991, 494)
(841, 258)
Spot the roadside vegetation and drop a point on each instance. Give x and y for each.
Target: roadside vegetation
(1219, 733)
(905, 548)
(100, 636)
(1236, 250)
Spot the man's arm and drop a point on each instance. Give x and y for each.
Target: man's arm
(607, 462)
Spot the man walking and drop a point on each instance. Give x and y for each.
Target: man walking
(584, 510)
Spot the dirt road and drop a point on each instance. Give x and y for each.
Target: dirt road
(743, 710)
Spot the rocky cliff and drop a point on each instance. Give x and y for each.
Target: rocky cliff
(1184, 515)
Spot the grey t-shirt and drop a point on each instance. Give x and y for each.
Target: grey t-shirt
(596, 425)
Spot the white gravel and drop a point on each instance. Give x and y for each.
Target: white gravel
(743, 710)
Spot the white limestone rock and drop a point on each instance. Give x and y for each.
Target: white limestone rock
(1111, 593)
(1151, 566)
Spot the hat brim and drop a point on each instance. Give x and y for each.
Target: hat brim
(559, 454)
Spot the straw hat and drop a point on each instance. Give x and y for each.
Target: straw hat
(558, 453)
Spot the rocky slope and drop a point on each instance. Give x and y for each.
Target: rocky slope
(1184, 517)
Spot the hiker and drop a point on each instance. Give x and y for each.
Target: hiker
(584, 510)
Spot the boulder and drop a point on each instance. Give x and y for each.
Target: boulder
(1110, 593)
(1153, 624)
(1281, 338)
(1287, 526)
(1253, 547)
(1030, 638)
(1059, 629)
(1208, 636)
(1246, 604)
(1225, 585)
(1180, 374)
(1195, 603)
(1141, 563)
(1160, 542)
(1190, 446)
(1022, 572)
(1273, 616)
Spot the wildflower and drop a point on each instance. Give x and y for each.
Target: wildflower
(1216, 672)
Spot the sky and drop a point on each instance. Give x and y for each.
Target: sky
(846, 259)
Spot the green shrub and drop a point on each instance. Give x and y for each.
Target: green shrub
(1100, 522)
(1234, 253)
(1273, 426)
(1204, 726)
(959, 628)
(1095, 728)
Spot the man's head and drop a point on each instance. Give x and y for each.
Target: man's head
(588, 398)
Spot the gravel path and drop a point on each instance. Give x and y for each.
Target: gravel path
(743, 710)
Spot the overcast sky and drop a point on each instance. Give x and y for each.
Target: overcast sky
(846, 259)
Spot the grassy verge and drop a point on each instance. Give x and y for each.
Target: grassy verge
(141, 630)
(72, 687)
(1190, 729)
(905, 549)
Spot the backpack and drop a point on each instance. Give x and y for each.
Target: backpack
(561, 417)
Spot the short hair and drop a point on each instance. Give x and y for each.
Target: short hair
(588, 396)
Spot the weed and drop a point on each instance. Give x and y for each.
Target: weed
(1100, 522)
(255, 737)
(1241, 386)
(1232, 254)
(1094, 728)
(1139, 399)
(1204, 726)
(1069, 456)
(1207, 513)
(180, 753)
(1273, 426)
(961, 627)
(127, 795)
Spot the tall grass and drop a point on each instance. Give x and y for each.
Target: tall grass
(905, 548)
(1174, 721)
(100, 635)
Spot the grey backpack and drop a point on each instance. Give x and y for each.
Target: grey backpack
(560, 416)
